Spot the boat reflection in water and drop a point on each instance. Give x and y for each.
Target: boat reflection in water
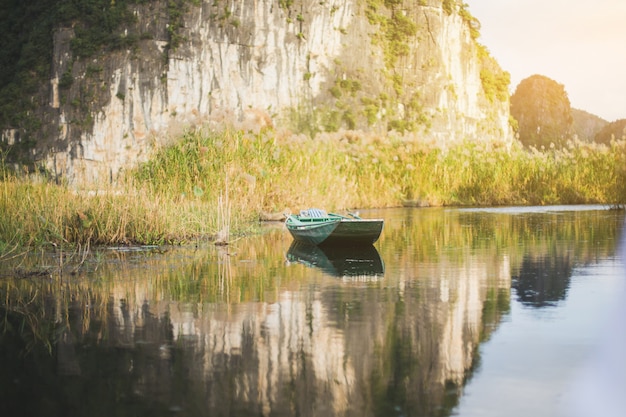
(353, 262)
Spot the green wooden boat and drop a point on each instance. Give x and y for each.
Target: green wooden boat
(316, 227)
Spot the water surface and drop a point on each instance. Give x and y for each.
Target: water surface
(470, 312)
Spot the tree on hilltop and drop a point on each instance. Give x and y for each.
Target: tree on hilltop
(543, 112)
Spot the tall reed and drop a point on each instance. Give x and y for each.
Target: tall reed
(179, 194)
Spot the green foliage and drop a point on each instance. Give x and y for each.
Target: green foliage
(396, 29)
(371, 113)
(67, 79)
(351, 86)
(494, 80)
(400, 30)
(400, 125)
(349, 119)
(24, 57)
(397, 81)
(542, 108)
(331, 121)
(27, 48)
(412, 117)
(93, 70)
(448, 6)
(285, 4)
(176, 9)
(495, 85)
(397, 32)
(96, 25)
(471, 21)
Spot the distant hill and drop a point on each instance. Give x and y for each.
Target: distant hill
(544, 116)
(615, 130)
(543, 112)
(586, 125)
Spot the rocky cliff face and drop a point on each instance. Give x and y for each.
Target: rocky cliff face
(373, 65)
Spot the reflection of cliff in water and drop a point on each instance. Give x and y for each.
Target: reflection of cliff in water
(328, 348)
(543, 281)
(348, 350)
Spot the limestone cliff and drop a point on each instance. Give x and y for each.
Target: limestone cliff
(372, 65)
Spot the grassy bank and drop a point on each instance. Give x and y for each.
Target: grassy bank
(189, 190)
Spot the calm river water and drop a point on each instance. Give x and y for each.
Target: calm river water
(454, 312)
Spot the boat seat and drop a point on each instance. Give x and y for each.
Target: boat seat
(313, 213)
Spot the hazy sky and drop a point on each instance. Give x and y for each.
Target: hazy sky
(578, 43)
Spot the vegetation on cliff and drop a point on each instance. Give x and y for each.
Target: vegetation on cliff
(25, 59)
(402, 28)
(355, 98)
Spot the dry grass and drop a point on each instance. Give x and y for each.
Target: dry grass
(211, 183)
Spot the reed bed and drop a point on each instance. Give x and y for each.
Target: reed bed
(210, 181)
(41, 213)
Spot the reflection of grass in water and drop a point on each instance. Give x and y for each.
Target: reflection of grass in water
(174, 197)
(40, 309)
(434, 234)
(253, 270)
(114, 283)
(223, 220)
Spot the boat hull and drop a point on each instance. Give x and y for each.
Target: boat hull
(314, 233)
(335, 231)
(356, 232)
